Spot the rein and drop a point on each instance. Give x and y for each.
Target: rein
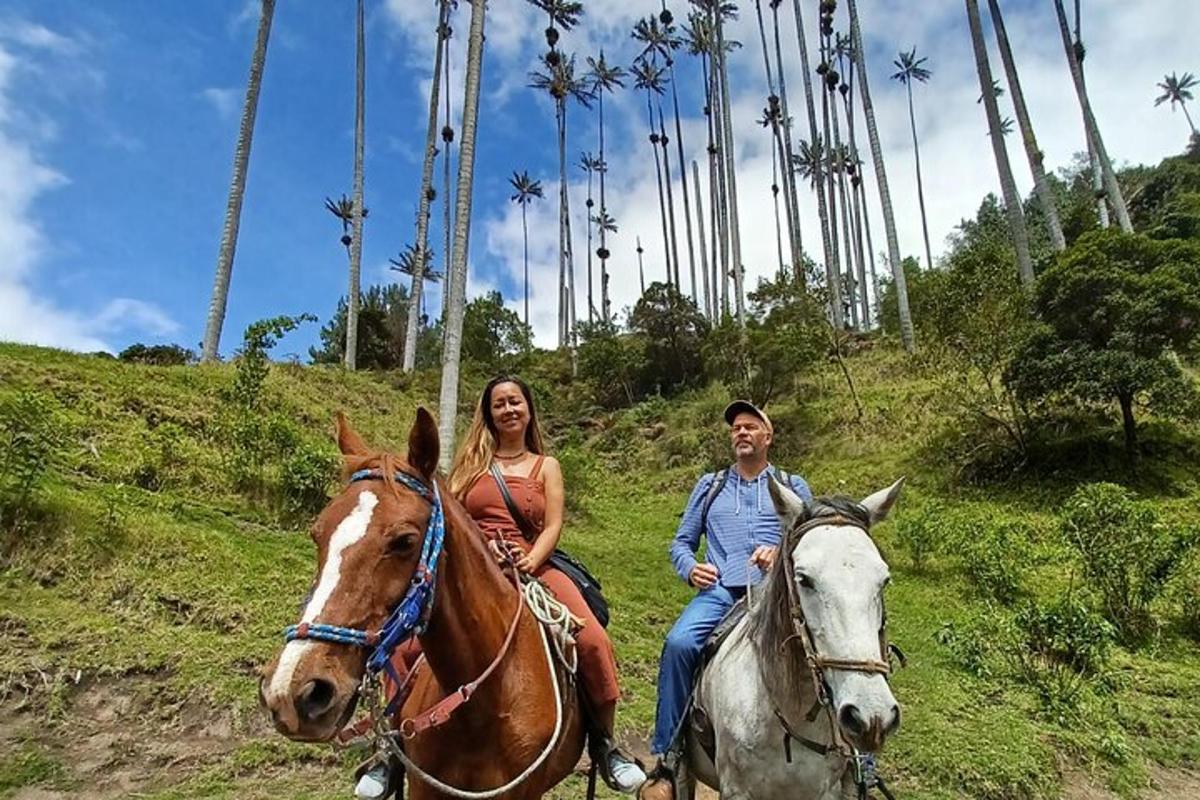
(817, 663)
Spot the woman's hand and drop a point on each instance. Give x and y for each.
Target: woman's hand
(530, 562)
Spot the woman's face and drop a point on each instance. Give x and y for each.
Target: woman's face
(510, 412)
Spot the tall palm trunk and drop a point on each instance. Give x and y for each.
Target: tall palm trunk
(237, 189)
(588, 205)
(716, 185)
(425, 201)
(360, 99)
(885, 195)
(777, 119)
(525, 236)
(687, 205)
(564, 314)
(1097, 176)
(662, 202)
(447, 197)
(603, 217)
(1012, 200)
(858, 205)
(703, 250)
(452, 351)
(1040, 184)
(844, 205)
(1111, 187)
(666, 161)
(814, 134)
(866, 221)
(833, 269)
(735, 237)
(789, 175)
(775, 202)
(912, 121)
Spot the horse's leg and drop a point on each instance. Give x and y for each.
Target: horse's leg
(685, 782)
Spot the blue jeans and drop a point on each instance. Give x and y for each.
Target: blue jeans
(681, 656)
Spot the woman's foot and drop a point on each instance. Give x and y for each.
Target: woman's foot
(374, 783)
(624, 774)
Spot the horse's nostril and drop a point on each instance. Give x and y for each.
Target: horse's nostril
(852, 720)
(893, 721)
(314, 699)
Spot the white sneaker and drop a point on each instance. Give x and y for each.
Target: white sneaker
(626, 774)
(373, 784)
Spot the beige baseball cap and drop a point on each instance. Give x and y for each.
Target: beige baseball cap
(746, 407)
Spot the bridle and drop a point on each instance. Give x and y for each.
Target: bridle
(817, 663)
(410, 618)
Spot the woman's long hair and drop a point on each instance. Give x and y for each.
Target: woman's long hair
(474, 457)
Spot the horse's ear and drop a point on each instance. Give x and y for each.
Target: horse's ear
(349, 442)
(423, 444)
(880, 503)
(788, 504)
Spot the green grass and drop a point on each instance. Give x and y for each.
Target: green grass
(186, 588)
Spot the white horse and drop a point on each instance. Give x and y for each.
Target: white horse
(799, 685)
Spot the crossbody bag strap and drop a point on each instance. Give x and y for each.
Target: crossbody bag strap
(522, 524)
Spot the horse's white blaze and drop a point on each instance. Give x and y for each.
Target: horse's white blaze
(349, 531)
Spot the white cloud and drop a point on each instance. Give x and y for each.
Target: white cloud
(223, 100)
(24, 179)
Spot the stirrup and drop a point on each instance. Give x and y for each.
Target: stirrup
(602, 753)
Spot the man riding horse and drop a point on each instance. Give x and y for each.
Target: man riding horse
(732, 509)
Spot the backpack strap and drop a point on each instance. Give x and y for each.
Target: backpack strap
(782, 476)
(714, 489)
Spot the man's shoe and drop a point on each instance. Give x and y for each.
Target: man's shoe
(659, 786)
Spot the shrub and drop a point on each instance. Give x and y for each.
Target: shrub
(975, 643)
(995, 555)
(1128, 555)
(1059, 649)
(919, 534)
(306, 476)
(32, 438)
(158, 355)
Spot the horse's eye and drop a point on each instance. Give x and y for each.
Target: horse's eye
(401, 544)
(804, 580)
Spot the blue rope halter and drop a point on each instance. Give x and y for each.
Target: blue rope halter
(411, 615)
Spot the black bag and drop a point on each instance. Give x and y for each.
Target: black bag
(560, 559)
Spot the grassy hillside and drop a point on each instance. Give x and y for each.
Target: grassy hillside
(142, 585)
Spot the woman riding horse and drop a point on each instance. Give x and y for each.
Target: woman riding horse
(505, 434)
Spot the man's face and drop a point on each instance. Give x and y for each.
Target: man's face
(749, 436)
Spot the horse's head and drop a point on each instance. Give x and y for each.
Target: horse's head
(369, 542)
(837, 579)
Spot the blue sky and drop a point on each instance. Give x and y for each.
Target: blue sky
(118, 121)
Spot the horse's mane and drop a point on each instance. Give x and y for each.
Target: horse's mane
(770, 618)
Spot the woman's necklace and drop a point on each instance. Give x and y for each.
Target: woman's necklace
(509, 456)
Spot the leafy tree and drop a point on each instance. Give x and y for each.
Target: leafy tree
(674, 331)
(611, 363)
(494, 335)
(1114, 309)
(382, 325)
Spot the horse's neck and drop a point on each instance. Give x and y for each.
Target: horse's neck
(473, 606)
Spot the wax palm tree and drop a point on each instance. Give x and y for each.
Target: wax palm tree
(701, 42)
(562, 83)
(789, 178)
(909, 68)
(814, 134)
(1041, 184)
(237, 189)
(412, 262)
(343, 209)
(829, 83)
(1111, 187)
(416, 295)
(1012, 200)
(605, 224)
(563, 14)
(675, 42)
(592, 166)
(773, 118)
(885, 196)
(360, 98)
(1178, 90)
(605, 79)
(525, 191)
(721, 12)
(452, 347)
(649, 78)
(809, 162)
(852, 166)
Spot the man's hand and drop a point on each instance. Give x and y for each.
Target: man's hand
(703, 576)
(763, 557)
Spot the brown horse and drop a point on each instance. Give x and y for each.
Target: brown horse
(369, 542)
